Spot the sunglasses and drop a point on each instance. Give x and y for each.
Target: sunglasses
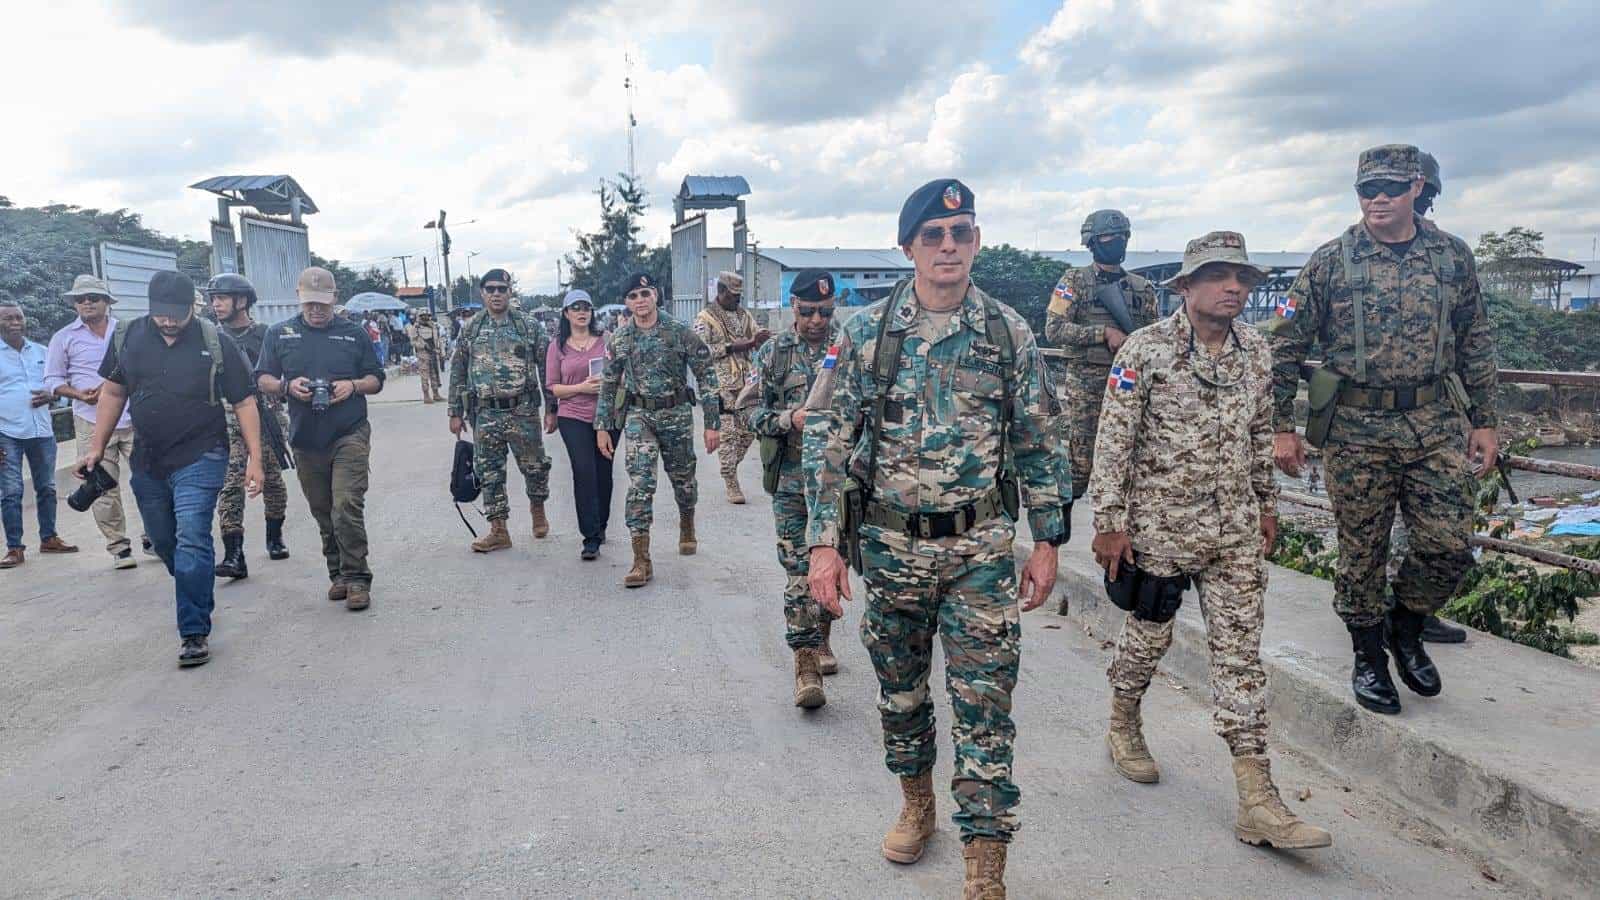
(497, 289)
(89, 298)
(1369, 190)
(933, 235)
(580, 307)
(639, 293)
(821, 312)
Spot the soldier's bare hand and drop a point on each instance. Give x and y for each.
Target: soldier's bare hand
(1289, 452)
(1038, 576)
(713, 439)
(1114, 338)
(797, 419)
(829, 579)
(457, 425)
(1269, 534)
(1112, 550)
(254, 478)
(602, 440)
(1483, 449)
(549, 423)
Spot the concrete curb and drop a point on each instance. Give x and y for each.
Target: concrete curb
(1526, 793)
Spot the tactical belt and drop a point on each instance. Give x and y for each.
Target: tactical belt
(675, 399)
(932, 526)
(1396, 399)
(504, 402)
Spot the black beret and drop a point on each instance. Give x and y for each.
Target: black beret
(934, 200)
(639, 280)
(170, 292)
(813, 285)
(500, 275)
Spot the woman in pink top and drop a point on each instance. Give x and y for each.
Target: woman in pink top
(572, 372)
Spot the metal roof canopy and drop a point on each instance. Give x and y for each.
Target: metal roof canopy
(276, 195)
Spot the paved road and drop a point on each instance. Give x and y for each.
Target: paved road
(519, 724)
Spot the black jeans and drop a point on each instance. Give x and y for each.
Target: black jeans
(591, 476)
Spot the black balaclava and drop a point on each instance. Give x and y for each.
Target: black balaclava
(1109, 252)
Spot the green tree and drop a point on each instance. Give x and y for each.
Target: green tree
(1517, 242)
(1510, 264)
(462, 292)
(607, 256)
(1021, 279)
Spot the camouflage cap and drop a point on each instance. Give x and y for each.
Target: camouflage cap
(732, 281)
(1389, 162)
(1214, 247)
(1430, 173)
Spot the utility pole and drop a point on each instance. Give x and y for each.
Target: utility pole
(403, 271)
(470, 255)
(558, 275)
(429, 285)
(627, 87)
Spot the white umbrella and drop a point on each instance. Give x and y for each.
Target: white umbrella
(372, 301)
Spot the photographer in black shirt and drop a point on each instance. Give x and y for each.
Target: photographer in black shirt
(175, 369)
(325, 366)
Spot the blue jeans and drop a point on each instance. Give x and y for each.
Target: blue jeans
(177, 514)
(41, 455)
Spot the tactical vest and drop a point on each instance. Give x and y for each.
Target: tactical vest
(1095, 315)
(1447, 268)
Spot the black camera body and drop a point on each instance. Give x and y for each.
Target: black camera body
(321, 394)
(95, 483)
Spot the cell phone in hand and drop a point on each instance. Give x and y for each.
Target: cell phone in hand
(597, 367)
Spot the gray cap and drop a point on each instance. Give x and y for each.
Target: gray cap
(576, 295)
(1103, 222)
(89, 286)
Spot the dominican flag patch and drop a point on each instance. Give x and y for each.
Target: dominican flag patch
(1122, 379)
(1285, 306)
(832, 359)
(1063, 291)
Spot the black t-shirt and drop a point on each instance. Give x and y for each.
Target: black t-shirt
(340, 351)
(1400, 247)
(169, 393)
(249, 340)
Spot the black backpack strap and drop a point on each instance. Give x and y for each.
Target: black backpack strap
(885, 362)
(999, 334)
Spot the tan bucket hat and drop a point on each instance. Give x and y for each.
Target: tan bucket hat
(1215, 247)
(87, 286)
(316, 286)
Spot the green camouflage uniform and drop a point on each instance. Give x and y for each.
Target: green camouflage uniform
(1376, 459)
(1076, 323)
(653, 364)
(720, 329)
(1185, 451)
(504, 359)
(938, 451)
(274, 496)
(768, 402)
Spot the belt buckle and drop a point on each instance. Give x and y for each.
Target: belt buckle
(1405, 398)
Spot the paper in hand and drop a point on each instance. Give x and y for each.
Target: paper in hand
(597, 366)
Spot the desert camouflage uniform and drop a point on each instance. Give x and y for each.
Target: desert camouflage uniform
(654, 364)
(1076, 322)
(1376, 459)
(939, 450)
(720, 329)
(768, 402)
(501, 361)
(1185, 468)
(274, 496)
(424, 337)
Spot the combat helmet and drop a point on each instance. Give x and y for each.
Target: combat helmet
(1103, 222)
(231, 283)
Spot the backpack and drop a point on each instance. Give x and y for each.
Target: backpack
(208, 334)
(464, 487)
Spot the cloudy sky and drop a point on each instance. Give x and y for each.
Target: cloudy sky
(1187, 114)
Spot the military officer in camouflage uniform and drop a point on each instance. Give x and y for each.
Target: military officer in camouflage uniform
(231, 297)
(1184, 489)
(1394, 305)
(425, 342)
(773, 402)
(496, 379)
(645, 392)
(731, 333)
(1092, 310)
(934, 404)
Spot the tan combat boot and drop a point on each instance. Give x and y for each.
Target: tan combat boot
(541, 525)
(497, 538)
(735, 493)
(909, 837)
(986, 870)
(827, 663)
(338, 591)
(807, 680)
(1126, 741)
(1263, 819)
(686, 542)
(641, 571)
(358, 596)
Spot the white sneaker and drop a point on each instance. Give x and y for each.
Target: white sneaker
(124, 560)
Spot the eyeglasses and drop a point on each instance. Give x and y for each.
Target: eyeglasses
(639, 293)
(87, 298)
(933, 235)
(497, 289)
(1369, 190)
(821, 312)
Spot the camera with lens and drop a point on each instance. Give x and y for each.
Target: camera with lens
(321, 394)
(95, 482)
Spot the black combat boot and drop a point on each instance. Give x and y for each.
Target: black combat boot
(232, 564)
(1438, 631)
(1369, 676)
(1405, 642)
(275, 547)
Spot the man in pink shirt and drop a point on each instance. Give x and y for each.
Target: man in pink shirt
(72, 369)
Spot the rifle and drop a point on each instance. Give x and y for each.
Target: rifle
(1110, 296)
(272, 440)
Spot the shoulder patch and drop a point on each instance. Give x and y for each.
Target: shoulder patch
(1122, 378)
